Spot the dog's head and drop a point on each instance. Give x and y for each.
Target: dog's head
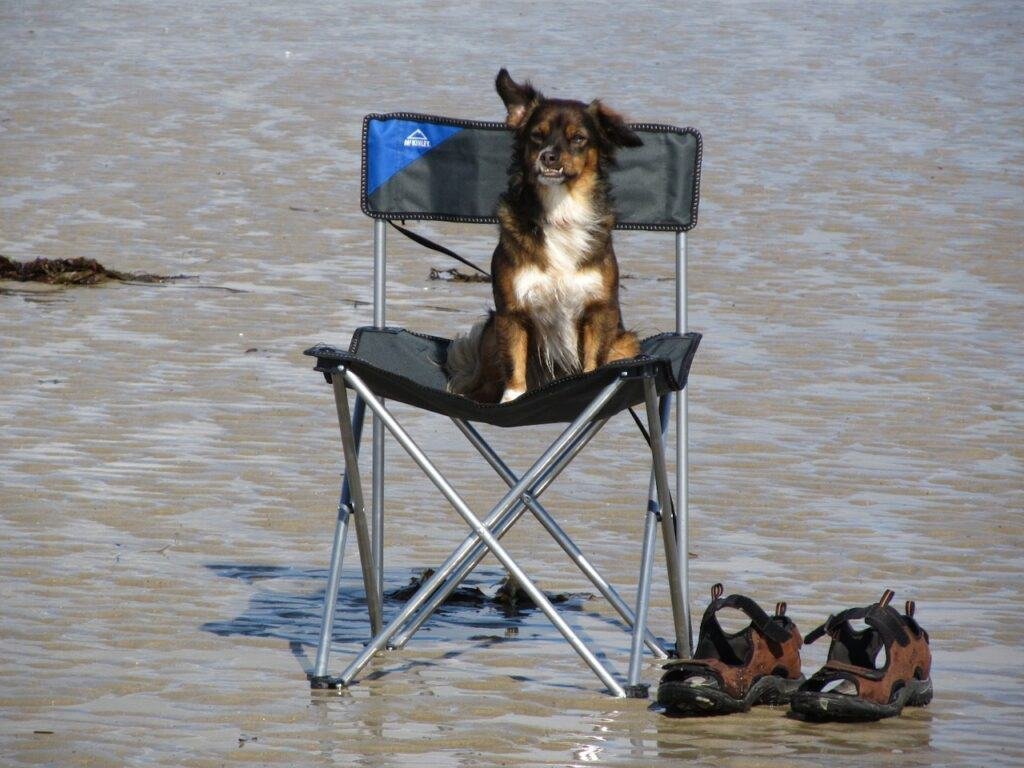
(560, 141)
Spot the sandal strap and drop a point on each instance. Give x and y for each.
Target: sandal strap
(760, 620)
(885, 620)
(833, 669)
(837, 671)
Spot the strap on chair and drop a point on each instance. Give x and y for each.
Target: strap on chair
(428, 243)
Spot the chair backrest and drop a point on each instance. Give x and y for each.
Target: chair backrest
(425, 167)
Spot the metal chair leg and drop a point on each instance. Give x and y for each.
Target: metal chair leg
(337, 555)
(667, 524)
(371, 580)
(634, 689)
(653, 515)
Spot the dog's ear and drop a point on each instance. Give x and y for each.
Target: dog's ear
(520, 100)
(612, 127)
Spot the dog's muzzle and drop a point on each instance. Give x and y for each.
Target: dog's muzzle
(549, 170)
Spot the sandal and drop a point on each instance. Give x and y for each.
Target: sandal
(851, 686)
(730, 673)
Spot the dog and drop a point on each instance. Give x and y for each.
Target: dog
(554, 273)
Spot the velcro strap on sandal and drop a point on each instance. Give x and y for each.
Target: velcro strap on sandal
(760, 620)
(832, 623)
(885, 620)
(889, 623)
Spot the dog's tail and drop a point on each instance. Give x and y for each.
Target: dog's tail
(464, 361)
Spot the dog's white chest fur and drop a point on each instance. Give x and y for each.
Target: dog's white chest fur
(555, 295)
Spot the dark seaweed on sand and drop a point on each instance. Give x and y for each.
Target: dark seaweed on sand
(78, 271)
(456, 276)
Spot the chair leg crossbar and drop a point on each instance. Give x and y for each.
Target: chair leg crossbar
(523, 494)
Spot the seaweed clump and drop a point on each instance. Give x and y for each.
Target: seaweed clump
(78, 271)
(457, 276)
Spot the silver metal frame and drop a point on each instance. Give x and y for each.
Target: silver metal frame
(682, 509)
(523, 495)
(379, 302)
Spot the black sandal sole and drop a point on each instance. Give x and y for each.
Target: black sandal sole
(816, 706)
(681, 700)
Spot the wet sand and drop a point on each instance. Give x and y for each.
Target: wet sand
(169, 462)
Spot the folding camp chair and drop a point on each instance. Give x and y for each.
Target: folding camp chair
(424, 167)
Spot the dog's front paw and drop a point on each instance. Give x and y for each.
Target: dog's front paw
(511, 394)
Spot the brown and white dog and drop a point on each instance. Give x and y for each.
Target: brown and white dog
(555, 278)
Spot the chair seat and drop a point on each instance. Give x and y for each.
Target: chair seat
(409, 367)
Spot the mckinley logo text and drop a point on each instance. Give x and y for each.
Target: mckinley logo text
(417, 139)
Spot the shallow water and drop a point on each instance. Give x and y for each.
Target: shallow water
(169, 462)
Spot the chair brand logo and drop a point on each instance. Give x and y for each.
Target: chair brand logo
(417, 139)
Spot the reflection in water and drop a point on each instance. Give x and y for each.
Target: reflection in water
(277, 610)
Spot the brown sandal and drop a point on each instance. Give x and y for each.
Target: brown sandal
(730, 673)
(850, 686)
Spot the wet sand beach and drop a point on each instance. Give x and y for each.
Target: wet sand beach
(169, 461)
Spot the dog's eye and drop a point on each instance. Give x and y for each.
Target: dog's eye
(537, 136)
(579, 140)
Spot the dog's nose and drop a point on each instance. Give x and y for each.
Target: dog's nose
(549, 158)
